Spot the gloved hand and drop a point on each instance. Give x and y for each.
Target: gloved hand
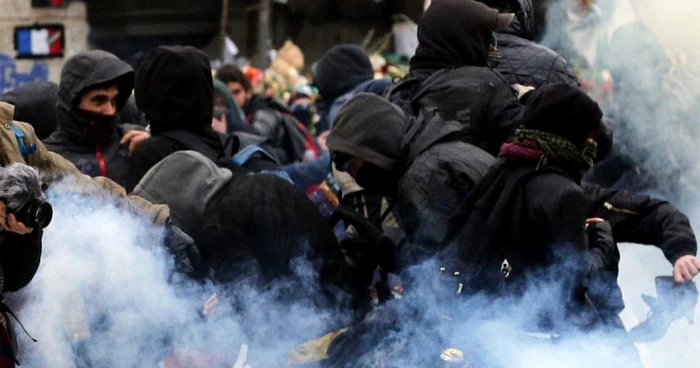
(370, 248)
(188, 260)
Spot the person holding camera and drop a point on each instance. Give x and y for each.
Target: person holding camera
(23, 214)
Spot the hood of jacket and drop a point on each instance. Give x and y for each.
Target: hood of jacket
(454, 33)
(235, 121)
(35, 103)
(370, 127)
(524, 23)
(185, 181)
(81, 73)
(174, 89)
(377, 131)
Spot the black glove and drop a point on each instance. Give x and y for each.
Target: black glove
(188, 260)
(370, 245)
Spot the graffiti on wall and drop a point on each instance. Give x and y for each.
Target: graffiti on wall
(11, 77)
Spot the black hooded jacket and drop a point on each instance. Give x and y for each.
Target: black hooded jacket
(174, 90)
(94, 149)
(435, 170)
(449, 73)
(523, 61)
(528, 214)
(35, 103)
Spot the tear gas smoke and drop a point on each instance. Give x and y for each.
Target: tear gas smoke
(106, 295)
(105, 289)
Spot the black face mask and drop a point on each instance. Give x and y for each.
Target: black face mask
(377, 180)
(102, 121)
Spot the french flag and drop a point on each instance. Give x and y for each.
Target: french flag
(44, 41)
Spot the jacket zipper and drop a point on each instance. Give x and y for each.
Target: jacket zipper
(610, 207)
(98, 152)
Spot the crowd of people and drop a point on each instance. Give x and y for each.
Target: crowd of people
(485, 170)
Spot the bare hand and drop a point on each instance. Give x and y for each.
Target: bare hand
(133, 138)
(593, 220)
(686, 268)
(211, 305)
(9, 222)
(219, 125)
(322, 139)
(522, 90)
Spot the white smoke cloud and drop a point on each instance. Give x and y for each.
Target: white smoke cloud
(105, 294)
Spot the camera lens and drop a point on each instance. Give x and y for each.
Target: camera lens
(36, 214)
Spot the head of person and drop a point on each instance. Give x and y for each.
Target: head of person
(564, 122)
(456, 33)
(95, 85)
(303, 108)
(237, 83)
(523, 24)
(340, 70)
(174, 89)
(366, 143)
(35, 103)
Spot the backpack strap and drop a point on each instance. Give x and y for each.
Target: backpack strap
(246, 153)
(24, 149)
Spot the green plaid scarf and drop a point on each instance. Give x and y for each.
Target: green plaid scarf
(556, 148)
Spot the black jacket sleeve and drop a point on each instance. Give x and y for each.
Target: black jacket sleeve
(20, 256)
(643, 220)
(504, 111)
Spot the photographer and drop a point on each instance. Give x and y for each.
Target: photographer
(22, 207)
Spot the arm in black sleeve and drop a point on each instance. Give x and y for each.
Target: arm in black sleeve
(20, 256)
(504, 112)
(643, 220)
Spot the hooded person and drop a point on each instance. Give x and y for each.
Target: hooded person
(35, 103)
(174, 90)
(250, 228)
(415, 162)
(226, 107)
(523, 61)
(94, 88)
(451, 66)
(526, 221)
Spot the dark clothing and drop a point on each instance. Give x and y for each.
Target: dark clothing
(440, 174)
(131, 114)
(522, 60)
(154, 149)
(247, 227)
(20, 256)
(92, 146)
(35, 103)
(174, 89)
(562, 110)
(272, 120)
(526, 216)
(643, 220)
(433, 171)
(453, 34)
(340, 70)
(489, 115)
(90, 158)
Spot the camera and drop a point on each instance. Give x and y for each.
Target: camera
(23, 195)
